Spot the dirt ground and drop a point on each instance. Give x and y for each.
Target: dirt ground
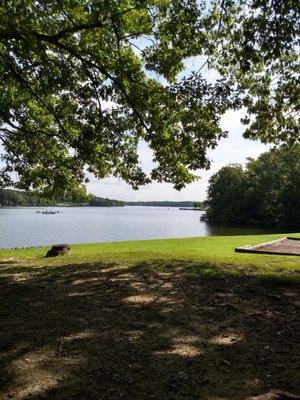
(100, 331)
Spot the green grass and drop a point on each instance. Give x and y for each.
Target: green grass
(210, 255)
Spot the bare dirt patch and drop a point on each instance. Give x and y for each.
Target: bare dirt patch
(101, 331)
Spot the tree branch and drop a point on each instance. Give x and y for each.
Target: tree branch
(100, 68)
(77, 28)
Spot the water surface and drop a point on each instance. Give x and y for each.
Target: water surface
(24, 227)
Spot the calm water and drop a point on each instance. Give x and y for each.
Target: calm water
(24, 227)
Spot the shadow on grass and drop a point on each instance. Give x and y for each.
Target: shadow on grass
(149, 331)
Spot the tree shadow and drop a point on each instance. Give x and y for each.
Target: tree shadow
(6, 263)
(102, 331)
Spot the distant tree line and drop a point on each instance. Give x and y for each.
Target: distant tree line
(104, 202)
(165, 203)
(266, 191)
(10, 198)
(18, 198)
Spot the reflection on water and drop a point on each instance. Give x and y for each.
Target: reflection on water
(26, 227)
(214, 229)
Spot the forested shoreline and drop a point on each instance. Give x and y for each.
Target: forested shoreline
(18, 198)
(266, 191)
(189, 204)
(104, 202)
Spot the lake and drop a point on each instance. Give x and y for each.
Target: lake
(24, 227)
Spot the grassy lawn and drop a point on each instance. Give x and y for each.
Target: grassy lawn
(200, 320)
(210, 255)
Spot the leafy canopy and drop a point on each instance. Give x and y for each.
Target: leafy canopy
(81, 85)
